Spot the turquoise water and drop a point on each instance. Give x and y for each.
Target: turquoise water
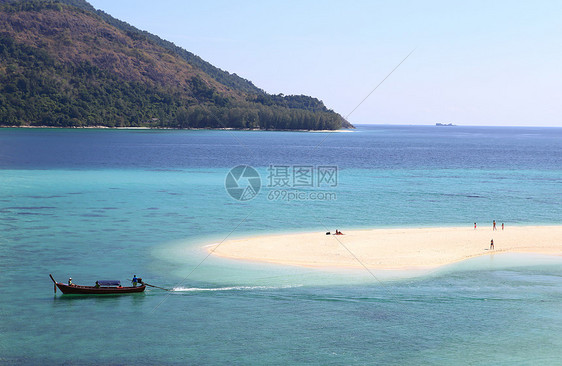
(107, 204)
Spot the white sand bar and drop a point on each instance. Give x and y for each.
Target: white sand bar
(392, 248)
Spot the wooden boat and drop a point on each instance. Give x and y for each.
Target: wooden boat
(106, 287)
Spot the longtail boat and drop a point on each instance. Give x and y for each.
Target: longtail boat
(103, 287)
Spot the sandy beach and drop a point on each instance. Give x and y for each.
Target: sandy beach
(391, 248)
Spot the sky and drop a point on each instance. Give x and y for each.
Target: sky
(491, 63)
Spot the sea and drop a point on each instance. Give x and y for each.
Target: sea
(107, 204)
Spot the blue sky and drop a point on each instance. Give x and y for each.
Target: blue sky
(475, 62)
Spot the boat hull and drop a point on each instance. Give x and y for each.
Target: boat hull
(92, 290)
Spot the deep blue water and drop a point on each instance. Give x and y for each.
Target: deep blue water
(104, 204)
(369, 147)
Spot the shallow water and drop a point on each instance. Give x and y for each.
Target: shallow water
(105, 204)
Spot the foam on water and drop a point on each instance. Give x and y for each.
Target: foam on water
(232, 288)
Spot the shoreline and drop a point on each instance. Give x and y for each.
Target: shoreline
(172, 128)
(390, 249)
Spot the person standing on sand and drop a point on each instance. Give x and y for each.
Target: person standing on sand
(474, 226)
(502, 226)
(491, 244)
(494, 225)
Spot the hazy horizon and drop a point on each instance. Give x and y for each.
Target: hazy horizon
(478, 63)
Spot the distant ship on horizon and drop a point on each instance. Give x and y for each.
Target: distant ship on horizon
(444, 124)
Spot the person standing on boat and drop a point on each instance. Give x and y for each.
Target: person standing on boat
(135, 280)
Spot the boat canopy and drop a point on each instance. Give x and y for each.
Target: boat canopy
(109, 283)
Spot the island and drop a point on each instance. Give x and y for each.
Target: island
(66, 64)
(385, 249)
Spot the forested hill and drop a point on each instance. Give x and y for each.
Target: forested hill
(62, 63)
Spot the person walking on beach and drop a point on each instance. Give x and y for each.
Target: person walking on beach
(474, 226)
(494, 225)
(491, 244)
(502, 226)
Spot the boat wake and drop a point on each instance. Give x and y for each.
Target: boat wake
(231, 288)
